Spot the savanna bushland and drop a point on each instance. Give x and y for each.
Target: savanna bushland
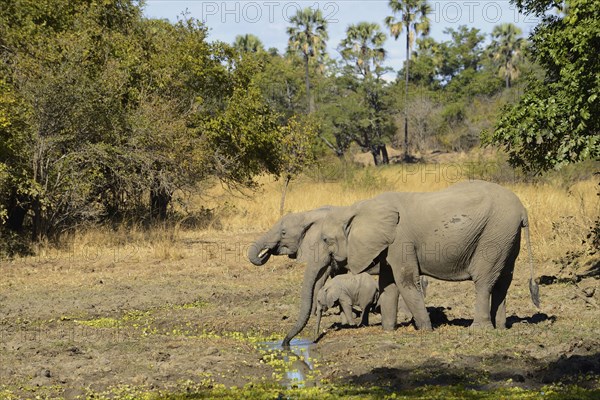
(139, 158)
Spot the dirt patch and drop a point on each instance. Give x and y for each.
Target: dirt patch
(70, 325)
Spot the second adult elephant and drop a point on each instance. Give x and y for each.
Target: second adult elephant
(298, 235)
(469, 231)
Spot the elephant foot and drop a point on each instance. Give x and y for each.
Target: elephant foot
(404, 318)
(388, 327)
(424, 326)
(484, 325)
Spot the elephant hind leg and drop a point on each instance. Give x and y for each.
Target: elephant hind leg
(364, 317)
(498, 307)
(488, 268)
(484, 276)
(482, 318)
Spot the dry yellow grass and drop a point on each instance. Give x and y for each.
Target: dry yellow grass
(559, 216)
(190, 290)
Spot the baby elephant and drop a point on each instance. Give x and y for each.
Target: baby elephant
(348, 290)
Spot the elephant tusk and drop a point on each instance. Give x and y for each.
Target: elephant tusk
(263, 252)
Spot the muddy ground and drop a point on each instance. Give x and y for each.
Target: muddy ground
(76, 322)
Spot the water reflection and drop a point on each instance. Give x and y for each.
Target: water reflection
(295, 364)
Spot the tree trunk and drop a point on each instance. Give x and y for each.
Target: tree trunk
(288, 178)
(385, 159)
(159, 202)
(338, 152)
(375, 154)
(307, 82)
(37, 228)
(16, 214)
(406, 94)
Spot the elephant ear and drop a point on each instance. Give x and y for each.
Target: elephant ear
(371, 230)
(309, 237)
(313, 216)
(332, 295)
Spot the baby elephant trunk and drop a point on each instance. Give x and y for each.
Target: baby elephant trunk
(318, 328)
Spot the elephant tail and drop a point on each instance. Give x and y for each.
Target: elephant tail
(534, 288)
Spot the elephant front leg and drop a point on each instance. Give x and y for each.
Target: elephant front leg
(416, 305)
(388, 298)
(405, 269)
(403, 310)
(347, 312)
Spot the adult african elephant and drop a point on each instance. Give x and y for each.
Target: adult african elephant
(298, 235)
(469, 231)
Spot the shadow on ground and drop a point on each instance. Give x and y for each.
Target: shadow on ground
(485, 373)
(438, 318)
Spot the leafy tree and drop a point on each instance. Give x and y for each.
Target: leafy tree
(74, 96)
(104, 114)
(557, 120)
(248, 43)
(414, 21)
(363, 47)
(179, 76)
(361, 114)
(438, 64)
(297, 150)
(281, 81)
(308, 36)
(507, 50)
(455, 82)
(363, 50)
(462, 53)
(426, 62)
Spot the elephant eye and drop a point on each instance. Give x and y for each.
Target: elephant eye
(283, 232)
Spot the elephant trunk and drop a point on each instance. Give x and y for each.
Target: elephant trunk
(259, 252)
(311, 275)
(318, 328)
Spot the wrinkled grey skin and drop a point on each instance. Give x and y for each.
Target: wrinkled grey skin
(347, 290)
(298, 235)
(403, 308)
(469, 231)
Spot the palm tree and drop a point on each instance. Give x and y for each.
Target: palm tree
(308, 35)
(248, 43)
(506, 50)
(363, 46)
(363, 49)
(413, 18)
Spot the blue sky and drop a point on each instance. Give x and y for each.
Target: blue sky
(269, 19)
